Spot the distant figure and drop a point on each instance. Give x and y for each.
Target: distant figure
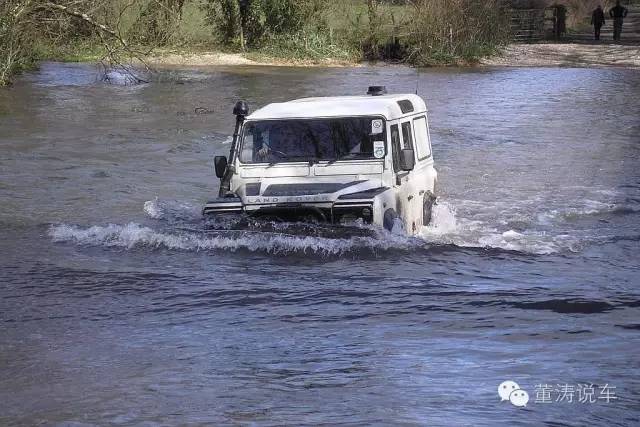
(560, 21)
(618, 13)
(597, 20)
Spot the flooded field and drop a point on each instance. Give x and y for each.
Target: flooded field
(118, 306)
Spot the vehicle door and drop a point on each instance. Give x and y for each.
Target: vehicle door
(405, 182)
(424, 173)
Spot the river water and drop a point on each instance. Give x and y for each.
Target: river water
(119, 307)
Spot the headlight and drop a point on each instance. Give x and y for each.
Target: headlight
(349, 212)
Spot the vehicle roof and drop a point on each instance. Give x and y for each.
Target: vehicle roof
(340, 106)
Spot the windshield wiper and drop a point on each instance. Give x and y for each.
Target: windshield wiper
(311, 160)
(347, 156)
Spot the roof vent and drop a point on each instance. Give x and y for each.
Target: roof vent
(377, 90)
(405, 106)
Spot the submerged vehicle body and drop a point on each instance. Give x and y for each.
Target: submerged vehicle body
(333, 160)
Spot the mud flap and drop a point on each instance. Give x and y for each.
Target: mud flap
(389, 219)
(427, 207)
(392, 220)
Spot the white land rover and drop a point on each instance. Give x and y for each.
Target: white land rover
(333, 160)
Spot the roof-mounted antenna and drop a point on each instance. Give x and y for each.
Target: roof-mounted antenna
(417, 80)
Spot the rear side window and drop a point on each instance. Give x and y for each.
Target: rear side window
(395, 144)
(422, 137)
(407, 136)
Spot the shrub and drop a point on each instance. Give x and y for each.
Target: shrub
(445, 31)
(251, 22)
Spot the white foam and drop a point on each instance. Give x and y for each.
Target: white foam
(587, 208)
(152, 209)
(511, 235)
(447, 228)
(170, 209)
(133, 235)
(443, 219)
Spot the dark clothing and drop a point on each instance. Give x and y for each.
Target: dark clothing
(618, 13)
(597, 19)
(617, 28)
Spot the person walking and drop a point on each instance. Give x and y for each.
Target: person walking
(597, 20)
(618, 13)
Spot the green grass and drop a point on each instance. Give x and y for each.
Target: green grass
(339, 34)
(312, 46)
(193, 28)
(72, 51)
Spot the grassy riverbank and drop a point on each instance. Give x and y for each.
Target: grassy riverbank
(415, 32)
(512, 55)
(275, 32)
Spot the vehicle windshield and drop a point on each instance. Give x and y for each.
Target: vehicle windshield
(274, 141)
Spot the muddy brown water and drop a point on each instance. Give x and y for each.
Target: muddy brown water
(119, 307)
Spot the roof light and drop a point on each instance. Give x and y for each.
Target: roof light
(377, 90)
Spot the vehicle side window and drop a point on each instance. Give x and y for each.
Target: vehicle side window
(407, 136)
(422, 137)
(250, 143)
(395, 146)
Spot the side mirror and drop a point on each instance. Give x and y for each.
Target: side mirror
(220, 163)
(407, 159)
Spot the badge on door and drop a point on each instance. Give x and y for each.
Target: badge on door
(378, 149)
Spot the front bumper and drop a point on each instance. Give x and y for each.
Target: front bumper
(339, 212)
(227, 205)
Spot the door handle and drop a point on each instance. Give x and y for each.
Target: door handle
(410, 197)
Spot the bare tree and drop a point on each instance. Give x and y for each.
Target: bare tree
(119, 55)
(24, 22)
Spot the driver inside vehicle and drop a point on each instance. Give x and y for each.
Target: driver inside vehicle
(281, 142)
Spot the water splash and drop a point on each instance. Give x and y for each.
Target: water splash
(132, 235)
(587, 209)
(448, 228)
(171, 210)
(182, 228)
(123, 76)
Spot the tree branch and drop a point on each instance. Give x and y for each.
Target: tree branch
(88, 20)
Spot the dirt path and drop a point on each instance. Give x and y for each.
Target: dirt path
(515, 55)
(224, 59)
(567, 55)
(630, 29)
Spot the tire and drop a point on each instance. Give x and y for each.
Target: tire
(427, 207)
